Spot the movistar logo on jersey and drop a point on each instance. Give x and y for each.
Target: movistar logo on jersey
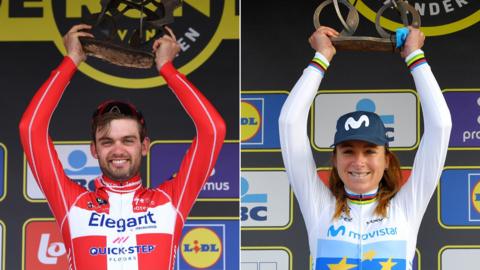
(342, 231)
(334, 232)
(101, 220)
(94, 251)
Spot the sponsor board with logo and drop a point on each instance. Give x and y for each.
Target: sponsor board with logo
(259, 120)
(42, 245)
(200, 27)
(3, 171)
(459, 198)
(398, 110)
(222, 185)
(266, 258)
(209, 244)
(264, 208)
(78, 164)
(465, 257)
(464, 105)
(3, 234)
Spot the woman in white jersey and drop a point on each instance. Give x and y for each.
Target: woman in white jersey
(364, 218)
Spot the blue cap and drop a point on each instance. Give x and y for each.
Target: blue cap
(361, 126)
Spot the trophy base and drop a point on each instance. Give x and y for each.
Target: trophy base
(117, 54)
(365, 44)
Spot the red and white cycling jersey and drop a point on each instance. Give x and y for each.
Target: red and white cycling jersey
(121, 225)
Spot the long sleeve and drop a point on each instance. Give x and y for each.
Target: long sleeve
(201, 156)
(38, 146)
(297, 155)
(431, 154)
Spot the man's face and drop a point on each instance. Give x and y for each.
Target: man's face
(119, 150)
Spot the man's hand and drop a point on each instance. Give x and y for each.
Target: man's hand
(73, 45)
(320, 41)
(415, 41)
(165, 49)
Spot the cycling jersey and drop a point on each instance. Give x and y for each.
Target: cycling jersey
(363, 240)
(121, 225)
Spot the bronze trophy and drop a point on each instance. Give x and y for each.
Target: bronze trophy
(386, 42)
(135, 50)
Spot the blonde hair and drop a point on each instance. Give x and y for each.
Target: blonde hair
(387, 188)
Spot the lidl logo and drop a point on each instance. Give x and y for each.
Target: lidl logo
(398, 111)
(460, 197)
(43, 246)
(251, 120)
(201, 248)
(465, 110)
(78, 164)
(209, 244)
(259, 119)
(262, 206)
(223, 181)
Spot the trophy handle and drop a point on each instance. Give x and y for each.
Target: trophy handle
(403, 8)
(350, 26)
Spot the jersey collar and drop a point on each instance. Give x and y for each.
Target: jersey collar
(125, 186)
(364, 198)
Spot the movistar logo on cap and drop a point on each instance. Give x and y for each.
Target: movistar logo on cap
(355, 124)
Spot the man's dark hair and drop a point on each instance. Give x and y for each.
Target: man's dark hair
(112, 110)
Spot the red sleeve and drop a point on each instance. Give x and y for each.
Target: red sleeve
(200, 158)
(38, 146)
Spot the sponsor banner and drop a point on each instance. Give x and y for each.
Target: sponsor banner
(43, 247)
(459, 200)
(209, 244)
(3, 234)
(3, 171)
(459, 257)
(200, 27)
(77, 163)
(397, 109)
(266, 258)
(222, 183)
(259, 120)
(264, 207)
(465, 110)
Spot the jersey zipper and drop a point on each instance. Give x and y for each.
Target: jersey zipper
(361, 233)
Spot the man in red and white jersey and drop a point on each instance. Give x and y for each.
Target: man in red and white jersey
(120, 225)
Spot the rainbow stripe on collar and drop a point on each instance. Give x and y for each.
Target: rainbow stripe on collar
(362, 198)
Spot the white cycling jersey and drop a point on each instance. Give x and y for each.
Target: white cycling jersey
(364, 240)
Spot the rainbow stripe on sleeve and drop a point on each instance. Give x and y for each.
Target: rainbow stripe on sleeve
(319, 64)
(416, 61)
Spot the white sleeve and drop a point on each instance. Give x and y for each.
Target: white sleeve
(432, 152)
(297, 154)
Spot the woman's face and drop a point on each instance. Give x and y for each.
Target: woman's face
(360, 165)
